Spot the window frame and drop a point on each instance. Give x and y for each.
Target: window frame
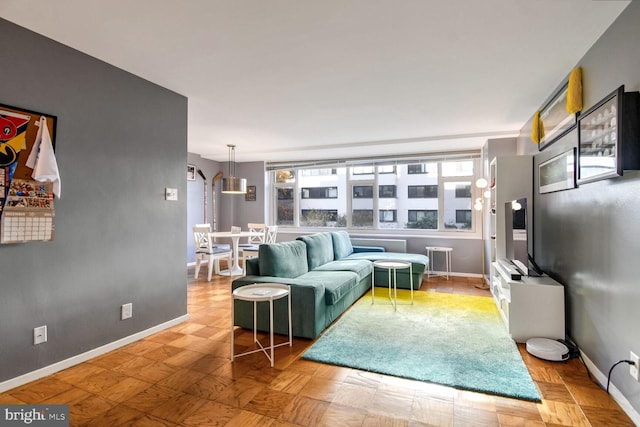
(346, 178)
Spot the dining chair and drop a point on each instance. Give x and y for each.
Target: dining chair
(250, 249)
(252, 241)
(270, 235)
(207, 251)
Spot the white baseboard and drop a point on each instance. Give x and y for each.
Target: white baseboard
(613, 391)
(452, 274)
(91, 354)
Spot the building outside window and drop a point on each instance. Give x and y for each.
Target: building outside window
(463, 216)
(320, 193)
(423, 191)
(463, 191)
(387, 191)
(427, 219)
(417, 168)
(387, 216)
(362, 191)
(434, 196)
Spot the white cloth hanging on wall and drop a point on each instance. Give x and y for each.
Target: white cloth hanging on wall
(42, 159)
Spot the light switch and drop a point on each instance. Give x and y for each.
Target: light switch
(171, 193)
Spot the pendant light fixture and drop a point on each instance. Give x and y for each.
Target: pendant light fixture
(231, 184)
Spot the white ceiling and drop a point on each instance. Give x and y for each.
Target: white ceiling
(315, 79)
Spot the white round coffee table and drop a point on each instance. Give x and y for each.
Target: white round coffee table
(392, 266)
(259, 292)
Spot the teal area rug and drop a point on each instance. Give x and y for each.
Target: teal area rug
(454, 340)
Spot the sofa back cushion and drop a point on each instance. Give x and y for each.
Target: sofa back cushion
(286, 259)
(319, 249)
(342, 246)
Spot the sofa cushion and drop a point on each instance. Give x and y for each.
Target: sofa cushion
(361, 267)
(342, 246)
(419, 261)
(286, 259)
(336, 284)
(319, 249)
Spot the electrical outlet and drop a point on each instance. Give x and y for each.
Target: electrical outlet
(126, 311)
(39, 334)
(633, 369)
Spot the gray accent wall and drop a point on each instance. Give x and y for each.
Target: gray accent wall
(120, 141)
(588, 238)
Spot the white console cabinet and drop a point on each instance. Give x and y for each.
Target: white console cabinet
(531, 307)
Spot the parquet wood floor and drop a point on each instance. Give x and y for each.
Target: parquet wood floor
(183, 377)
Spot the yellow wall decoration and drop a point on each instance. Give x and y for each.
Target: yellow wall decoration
(574, 91)
(537, 128)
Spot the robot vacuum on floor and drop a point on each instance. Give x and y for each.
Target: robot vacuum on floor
(547, 349)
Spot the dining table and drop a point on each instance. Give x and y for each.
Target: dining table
(234, 269)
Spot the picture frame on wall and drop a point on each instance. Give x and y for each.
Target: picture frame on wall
(250, 195)
(558, 173)
(191, 172)
(601, 132)
(555, 121)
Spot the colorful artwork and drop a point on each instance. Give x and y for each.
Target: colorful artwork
(26, 200)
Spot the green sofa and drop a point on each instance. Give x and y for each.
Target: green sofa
(326, 274)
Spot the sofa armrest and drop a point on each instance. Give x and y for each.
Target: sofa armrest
(307, 307)
(252, 267)
(357, 249)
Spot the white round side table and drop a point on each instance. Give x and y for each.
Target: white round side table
(256, 293)
(392, 266)
(447, 258)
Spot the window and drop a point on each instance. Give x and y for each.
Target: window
(320, 193)
(463, 191)
(427, 219)
(426, 194)
(463, 216)
(318, 172)
(363, 170)
(285, 193)
(423, 191)
(370, 170)
(457, 202)
(423, 168)
(284, 206)
(283, 176)
(362, 218)
(457, 168)
(417, 168)
(387, 215)
(387, 191)
(362, 191)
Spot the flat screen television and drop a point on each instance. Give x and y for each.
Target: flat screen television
(517, 223)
